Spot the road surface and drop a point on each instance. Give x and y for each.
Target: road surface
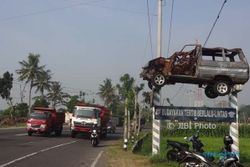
(19, 150)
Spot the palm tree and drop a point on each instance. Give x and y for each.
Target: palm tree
(125, 91)
(56, 94)
(137, 120)
(43, 82)
(29, 72)
(107, 92)
(147, 97)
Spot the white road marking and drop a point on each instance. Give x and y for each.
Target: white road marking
(96, 160)
(21, 134)
(35, 153)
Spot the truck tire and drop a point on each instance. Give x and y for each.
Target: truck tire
(221, 88)
(73, 134)
(29, 133)
(47, 134)
(58, 132)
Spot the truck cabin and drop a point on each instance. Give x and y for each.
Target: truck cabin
(91, 113)
(39, 115)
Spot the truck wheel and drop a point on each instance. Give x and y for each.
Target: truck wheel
(73, 134)
(209, 91)
(47, 134)
(58, 132)
(29, 133)
(221, 88)
(159, 80)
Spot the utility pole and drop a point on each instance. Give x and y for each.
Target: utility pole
(156, 126)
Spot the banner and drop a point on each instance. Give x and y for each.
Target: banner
(206, 114)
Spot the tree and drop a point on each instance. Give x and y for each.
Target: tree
(126, 93)
(43, 82)
(72, 103)
(21, 109)
(6, 84)
(56, 94)
(40, 101)
(29, 72)
(137, 118)
(147, 97)
(107, 92)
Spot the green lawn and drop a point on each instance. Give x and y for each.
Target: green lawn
(211, 144)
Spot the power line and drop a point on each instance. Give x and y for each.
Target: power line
(149, 29)
(46, 11)
(217, 18)
(170, 27)
(70, 6)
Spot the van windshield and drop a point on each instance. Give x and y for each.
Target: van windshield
(36, 115)
(87, 113)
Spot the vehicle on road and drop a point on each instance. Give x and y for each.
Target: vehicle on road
(86, 115)
(45, 121)
(111, 127)
(215, 69)
(94, 136)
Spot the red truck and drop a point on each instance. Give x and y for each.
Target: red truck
(86, 115)
(45, 121)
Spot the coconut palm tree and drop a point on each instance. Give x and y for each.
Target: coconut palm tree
(43, 82)
(29, 71)
(125, 92)
(107, 92)
(56, 94)
(137, 118)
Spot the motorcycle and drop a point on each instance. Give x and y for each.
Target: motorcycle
(177, 148)
(94, 136)
(197, 159)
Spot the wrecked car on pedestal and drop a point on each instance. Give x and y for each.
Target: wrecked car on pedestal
(215, 69)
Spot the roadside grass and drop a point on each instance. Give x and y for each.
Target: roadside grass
(20, 125)
(118, 157)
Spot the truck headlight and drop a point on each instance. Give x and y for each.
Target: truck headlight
(43, 126)
(28, 125)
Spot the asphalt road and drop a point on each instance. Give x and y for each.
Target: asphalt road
(19, 150)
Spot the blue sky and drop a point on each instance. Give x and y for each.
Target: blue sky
(85, 41)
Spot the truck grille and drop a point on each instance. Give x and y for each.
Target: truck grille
(35, 126)
(83, 124)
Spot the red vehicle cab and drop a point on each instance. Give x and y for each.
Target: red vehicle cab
(45, 121)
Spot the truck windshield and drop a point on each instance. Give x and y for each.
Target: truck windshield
(87, 113)
(38, 115)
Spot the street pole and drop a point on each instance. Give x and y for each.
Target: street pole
(234, 126)
(156, 126)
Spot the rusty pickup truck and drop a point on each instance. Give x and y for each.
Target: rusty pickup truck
(215, 69)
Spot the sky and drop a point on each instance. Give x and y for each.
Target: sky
(83, 42)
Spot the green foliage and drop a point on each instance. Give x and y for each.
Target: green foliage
(56, 94)
(42, 81)
(21, 110)
(244, 113)
(211, 144)
(220, 130)
(72, 103)
(30, 71)
(107, 92)
(6, 84)
(40, 102)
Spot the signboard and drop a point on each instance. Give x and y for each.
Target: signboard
(195, 114)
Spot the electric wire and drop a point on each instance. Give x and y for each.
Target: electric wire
(72, 6)
(170, 27)
(47, 11)
(217, 18)
(149, 29)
